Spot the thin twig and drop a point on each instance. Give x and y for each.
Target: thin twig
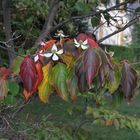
(87, 15)
(5, 48)
(79, 126)
(12, 39)
(135, 63)
(20, 108)
(130, 23)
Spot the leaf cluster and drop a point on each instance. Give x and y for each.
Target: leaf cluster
(81, 67)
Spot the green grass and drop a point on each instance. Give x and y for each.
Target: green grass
(69, 115)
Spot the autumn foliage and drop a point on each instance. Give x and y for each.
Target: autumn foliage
(69, 66)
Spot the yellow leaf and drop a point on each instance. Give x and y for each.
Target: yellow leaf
(68, 59)
(45, 89)
(3, 88)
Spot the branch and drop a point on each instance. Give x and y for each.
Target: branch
(87, 15)
(21, 107)
(11, 51)
(130, 23)
(49, 21)
(135, 63)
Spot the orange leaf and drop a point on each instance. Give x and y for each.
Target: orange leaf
(27, 94)
(4, 72)
(38, 66)
(48, 44)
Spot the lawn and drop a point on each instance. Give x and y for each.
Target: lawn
(68, 116)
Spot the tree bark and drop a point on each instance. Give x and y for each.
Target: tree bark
(7, 28)
(48, 22)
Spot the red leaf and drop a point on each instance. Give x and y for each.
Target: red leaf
(105, 66)
(81, 75)
(28, 73)
(82, 37)
(92, 63)
(38, 66)
(87, 68)
(91, 41)
(4, 72)
(129, 80)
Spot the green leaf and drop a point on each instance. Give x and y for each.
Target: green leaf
(10, 100)
(117, 98)
(90, 110)
(114, 79)
(58, 80)
(137, 9)
(107, 17)
(13, 88)
(95, 21)
(16, 64)
(72, 83)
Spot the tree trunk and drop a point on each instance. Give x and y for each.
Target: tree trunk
(7, 28)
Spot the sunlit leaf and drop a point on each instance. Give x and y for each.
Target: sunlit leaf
(58, 79)
(45, 89)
